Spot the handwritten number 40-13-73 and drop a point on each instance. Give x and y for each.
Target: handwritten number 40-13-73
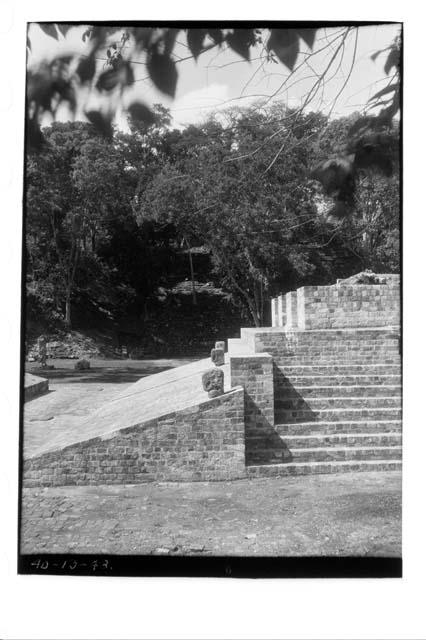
(71, 565)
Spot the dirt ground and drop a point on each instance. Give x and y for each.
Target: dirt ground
(350, 514)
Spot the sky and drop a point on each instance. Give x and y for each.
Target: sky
(220, 78)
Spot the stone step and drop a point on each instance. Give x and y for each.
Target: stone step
(343, 380)
(376, 369)
(377, 355)
(347, 335)
(284, 392)
(345, 440)
(254, 443)
(338, 414)
(305, 339)
(303, 468)
(350, 349)
(345, 402)
(340, 360)
(323, 428)
(324, 454)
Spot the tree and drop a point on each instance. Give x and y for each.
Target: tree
(372, 232)
(106, 219)
(252, 219)
(84, 246)
(55, 216)
(76, 186)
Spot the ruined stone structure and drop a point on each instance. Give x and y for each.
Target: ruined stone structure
(345, 304)
(34, 386)
(318, 392)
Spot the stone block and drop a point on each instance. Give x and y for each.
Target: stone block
(82, 365)
(213, 382)
(218, 357)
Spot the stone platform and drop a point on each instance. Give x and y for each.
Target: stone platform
(34, 386)
(299, 399)
(162, 427)
(151, 397)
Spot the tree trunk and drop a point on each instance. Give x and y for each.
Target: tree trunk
(253, 310)
(191, 269)
(68, 309)
(255, 317)
(70, 281)
(244, 295)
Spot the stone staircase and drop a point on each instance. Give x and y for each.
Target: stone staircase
(337, 405)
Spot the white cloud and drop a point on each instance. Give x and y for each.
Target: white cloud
(196, 105)
(294, 102)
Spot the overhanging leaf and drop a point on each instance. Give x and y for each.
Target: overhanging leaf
(65, 91)
(216, 35)
(381, 103)
(308, 36)
(142, 36)
(86, 34)
(49, 29)
(392, 60)
(376, 54)
(86, 69)
(162, 71)
(139, 111)
(389, 89)
(63, 28)
(374, 151)
(240, 40)
(285, 44)
(169, 40)
(108, 80)
(35, 137)
(39, 88)
(101, 122)
(125, 74)
(195, 39)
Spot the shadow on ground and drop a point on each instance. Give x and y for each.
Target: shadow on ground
(117, 371)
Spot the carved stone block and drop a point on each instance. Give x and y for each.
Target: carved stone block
(42, 350)
(81, 365)
(218, 357)
(213, 382)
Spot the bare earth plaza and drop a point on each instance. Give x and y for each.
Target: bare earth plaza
(211, 343)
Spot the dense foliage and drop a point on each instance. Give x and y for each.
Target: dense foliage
(158, 225)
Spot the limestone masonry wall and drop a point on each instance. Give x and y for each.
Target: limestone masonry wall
(342, 305)
(366, 345)
(319, 328)
(204, 442)
(255, 373)
(358, 305)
